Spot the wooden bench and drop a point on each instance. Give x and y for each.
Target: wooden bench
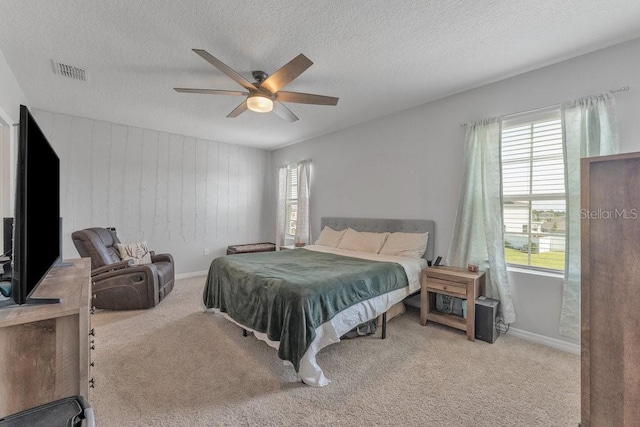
(251, 248)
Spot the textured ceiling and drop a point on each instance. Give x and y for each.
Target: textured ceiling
(377, 56)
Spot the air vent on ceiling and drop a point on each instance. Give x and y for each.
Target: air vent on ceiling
(70, 71)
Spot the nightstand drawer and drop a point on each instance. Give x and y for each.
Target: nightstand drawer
(446, 285)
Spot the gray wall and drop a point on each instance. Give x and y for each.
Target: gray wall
(11, 96)
(409, 165)
(180, 194)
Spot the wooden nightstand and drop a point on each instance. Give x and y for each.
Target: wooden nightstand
(455, 282)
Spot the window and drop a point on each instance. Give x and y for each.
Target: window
(291, 200)
(533, 189)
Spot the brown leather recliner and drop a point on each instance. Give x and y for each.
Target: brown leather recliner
(117, 284)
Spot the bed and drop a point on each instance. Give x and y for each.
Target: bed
(299, 301)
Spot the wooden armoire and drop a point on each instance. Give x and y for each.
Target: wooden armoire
(610, 306)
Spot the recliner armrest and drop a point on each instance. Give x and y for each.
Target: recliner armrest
(161, 257)
(128, 288)
(111, 267)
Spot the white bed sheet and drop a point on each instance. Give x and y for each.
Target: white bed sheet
(330, 332)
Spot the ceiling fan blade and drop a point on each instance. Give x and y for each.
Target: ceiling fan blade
(225, 69)
(211, 91)
(287, 73)
(238, 110)
(306, 98)
(280, 109)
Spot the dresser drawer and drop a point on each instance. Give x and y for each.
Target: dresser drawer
(446, 285)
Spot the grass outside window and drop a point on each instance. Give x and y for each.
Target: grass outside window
(547, 260)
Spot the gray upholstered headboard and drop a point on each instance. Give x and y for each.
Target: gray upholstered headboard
(380, 225)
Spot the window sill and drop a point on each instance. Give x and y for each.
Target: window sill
(534, 272)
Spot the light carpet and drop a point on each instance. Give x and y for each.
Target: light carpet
(177, 365)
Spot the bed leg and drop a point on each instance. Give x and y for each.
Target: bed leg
(244, 332)
(384, 325)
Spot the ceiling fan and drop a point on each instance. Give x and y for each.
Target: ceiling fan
(264, 95)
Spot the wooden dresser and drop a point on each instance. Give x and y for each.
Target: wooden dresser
(610, 288)
(45, 349)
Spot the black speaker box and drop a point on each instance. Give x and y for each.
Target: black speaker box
(7, 238)
(486, 313)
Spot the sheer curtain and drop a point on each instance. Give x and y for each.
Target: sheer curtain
(303, 229)
(281, 205)
(478, 235)
(590, 130)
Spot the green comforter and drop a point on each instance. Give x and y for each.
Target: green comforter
(288, 294)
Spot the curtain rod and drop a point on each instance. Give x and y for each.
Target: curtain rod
(621, 89)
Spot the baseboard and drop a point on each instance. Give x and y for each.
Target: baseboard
(549, 342)
(193, 274)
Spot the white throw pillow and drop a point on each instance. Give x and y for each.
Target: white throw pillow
(138, 252)
(362, 241)
(411, 245)
(330, 237)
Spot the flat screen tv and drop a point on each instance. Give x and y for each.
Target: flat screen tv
(36, 227)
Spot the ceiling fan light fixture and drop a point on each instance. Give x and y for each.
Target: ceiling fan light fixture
(262, 94)
(259, 103)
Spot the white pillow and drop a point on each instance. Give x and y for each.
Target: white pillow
(411, 245)
(330, 237)
(138, 252)
(362, 241)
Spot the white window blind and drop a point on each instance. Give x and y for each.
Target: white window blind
(291, 201)
(533, 188)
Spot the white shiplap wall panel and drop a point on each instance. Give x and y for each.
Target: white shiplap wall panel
(117, 166)
(160, 222)
(100, 165)
(133, 180)
(250, 171)
(80, 185)
(201, 170)
(174, 205)
(223, 190)
(47, 123)
(211, 225)
(189, 183)
(242, 187)
(148, 182)
(233, 189)
(61, 131)
(264, 178)
(178, 193)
